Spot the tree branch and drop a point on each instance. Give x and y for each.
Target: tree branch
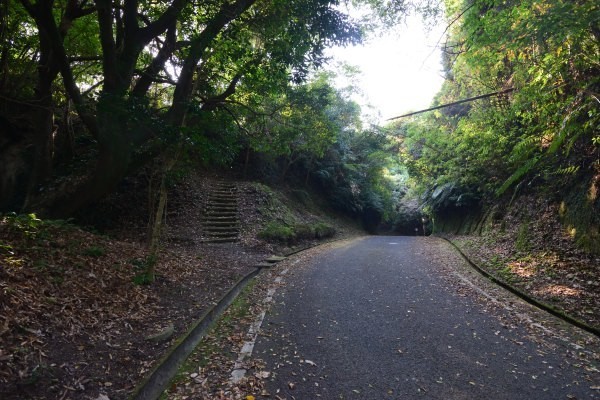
(148, 76)
(107, 42)
(200, 43)
(211, 103)
(166, 20)
(44, 19)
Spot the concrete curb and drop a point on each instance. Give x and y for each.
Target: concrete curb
(539, 304)
(155, 384)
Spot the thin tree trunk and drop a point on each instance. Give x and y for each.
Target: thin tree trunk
(64, 142)
(159, 214)
(156, 230)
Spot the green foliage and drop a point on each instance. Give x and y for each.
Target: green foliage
(107, 80)
(541, 133)
(355, 173)
(522, 242)
(302, 122)
(31, 226)
(27, 224)
(6, 249)
(276, 231)
(280, 232)
(322, 230)
(144, 268)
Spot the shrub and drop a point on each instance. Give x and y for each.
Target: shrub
(304, 231)
(323, 231)
(277, 231)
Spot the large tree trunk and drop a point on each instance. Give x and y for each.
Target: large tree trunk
(114, 158)
(43, 121)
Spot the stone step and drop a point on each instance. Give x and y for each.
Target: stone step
(223, 220)
(220, 218)
(221, 240)
(229, 228)
(215, 206)
(223, 191)
(234, 222)
(222, 234)
(225, 211)
(222, 213)
(231, 200)
(225, 199)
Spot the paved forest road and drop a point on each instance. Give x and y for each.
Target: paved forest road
(404, 318)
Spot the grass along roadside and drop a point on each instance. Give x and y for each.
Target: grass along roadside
(205, 373)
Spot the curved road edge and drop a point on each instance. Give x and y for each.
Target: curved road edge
(161, 375)
(525, 296)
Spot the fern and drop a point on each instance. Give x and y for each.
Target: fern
(570, 170)
(518, 174)
(525, 147)
(572, 109)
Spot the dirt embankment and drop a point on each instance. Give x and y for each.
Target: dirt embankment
(529, 247)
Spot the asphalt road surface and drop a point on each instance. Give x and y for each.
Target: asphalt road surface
(402, 318)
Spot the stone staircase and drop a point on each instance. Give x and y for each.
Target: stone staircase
(220, 223)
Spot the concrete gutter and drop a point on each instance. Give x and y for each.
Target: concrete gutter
(539, 304)
(154, 385)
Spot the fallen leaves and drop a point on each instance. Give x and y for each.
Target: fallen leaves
(262, 374)
(71, 316)
(552, 268)
(70, 304)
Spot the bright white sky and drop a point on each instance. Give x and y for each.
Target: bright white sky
(401, 71)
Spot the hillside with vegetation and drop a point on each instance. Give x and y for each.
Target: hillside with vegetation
(538, 134)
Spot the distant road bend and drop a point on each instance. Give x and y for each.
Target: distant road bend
(405, 318)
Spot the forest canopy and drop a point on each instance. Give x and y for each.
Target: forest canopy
(94, 90)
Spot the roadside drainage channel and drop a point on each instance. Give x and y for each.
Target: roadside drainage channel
(155, 384)
(524, 296)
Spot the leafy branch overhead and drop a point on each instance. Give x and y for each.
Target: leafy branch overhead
(129, 73)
